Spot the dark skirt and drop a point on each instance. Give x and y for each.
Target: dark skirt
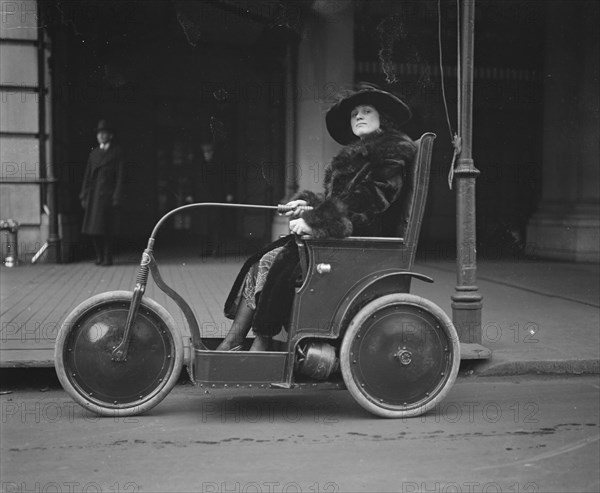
(274, 301)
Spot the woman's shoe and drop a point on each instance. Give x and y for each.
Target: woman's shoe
(225, 346)
(239, 329)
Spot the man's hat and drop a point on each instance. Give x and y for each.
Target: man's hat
(104, 126)
(338, 116)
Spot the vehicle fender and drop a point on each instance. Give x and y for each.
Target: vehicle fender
(369, 288)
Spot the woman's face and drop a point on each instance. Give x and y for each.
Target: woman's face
(364, 120)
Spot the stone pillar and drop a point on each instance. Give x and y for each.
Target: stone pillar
(567, 223)
(325, 66)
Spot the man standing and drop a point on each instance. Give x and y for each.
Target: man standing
(101, 193)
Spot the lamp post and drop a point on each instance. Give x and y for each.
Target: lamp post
(466, 300)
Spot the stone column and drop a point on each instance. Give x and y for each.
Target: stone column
(567, 223)
(325, 65)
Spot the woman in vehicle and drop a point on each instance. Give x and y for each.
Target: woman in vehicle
(360, 184)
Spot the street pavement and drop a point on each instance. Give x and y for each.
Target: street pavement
(538, 316)
(524, 434)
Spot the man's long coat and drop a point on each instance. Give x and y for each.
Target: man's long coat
(102, 189)
(361, 184)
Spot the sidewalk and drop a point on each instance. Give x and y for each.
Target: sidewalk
(538, 317)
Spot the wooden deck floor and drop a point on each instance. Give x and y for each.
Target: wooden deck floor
(36, 299)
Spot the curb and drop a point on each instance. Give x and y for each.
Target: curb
(481, 368)
(536, 367)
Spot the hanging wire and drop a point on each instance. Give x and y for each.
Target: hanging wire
(454, 136)
(458, 67)
(439, 9)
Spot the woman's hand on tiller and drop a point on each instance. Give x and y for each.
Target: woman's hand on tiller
(295, 212)
(299, 227)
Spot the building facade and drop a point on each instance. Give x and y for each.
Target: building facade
(257, 77)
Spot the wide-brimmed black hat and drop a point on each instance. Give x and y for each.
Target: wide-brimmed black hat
(104, 126)
(338, 116)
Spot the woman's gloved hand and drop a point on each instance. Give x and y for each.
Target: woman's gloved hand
(295, 212)
(299, 227)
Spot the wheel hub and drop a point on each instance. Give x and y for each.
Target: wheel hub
(404, 356)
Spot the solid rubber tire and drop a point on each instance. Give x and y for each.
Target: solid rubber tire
(109, 409)
(369, 402)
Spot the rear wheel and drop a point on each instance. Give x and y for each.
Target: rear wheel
(87, 371)
(400, 356)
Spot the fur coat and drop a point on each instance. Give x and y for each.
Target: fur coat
(361, 183)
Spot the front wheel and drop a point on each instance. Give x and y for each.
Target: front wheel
(84, 362)
(400, 356)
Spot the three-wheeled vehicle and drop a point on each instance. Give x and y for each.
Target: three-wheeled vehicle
(119, 353)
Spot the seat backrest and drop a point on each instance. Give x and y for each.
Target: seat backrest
(412, 204)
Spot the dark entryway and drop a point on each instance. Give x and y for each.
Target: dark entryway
(171, 76)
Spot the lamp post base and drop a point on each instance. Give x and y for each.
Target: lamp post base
(466, 315)
(474, 351)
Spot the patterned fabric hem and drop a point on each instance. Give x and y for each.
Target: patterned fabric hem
(257, 276)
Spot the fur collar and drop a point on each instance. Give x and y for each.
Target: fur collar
(374, 149)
